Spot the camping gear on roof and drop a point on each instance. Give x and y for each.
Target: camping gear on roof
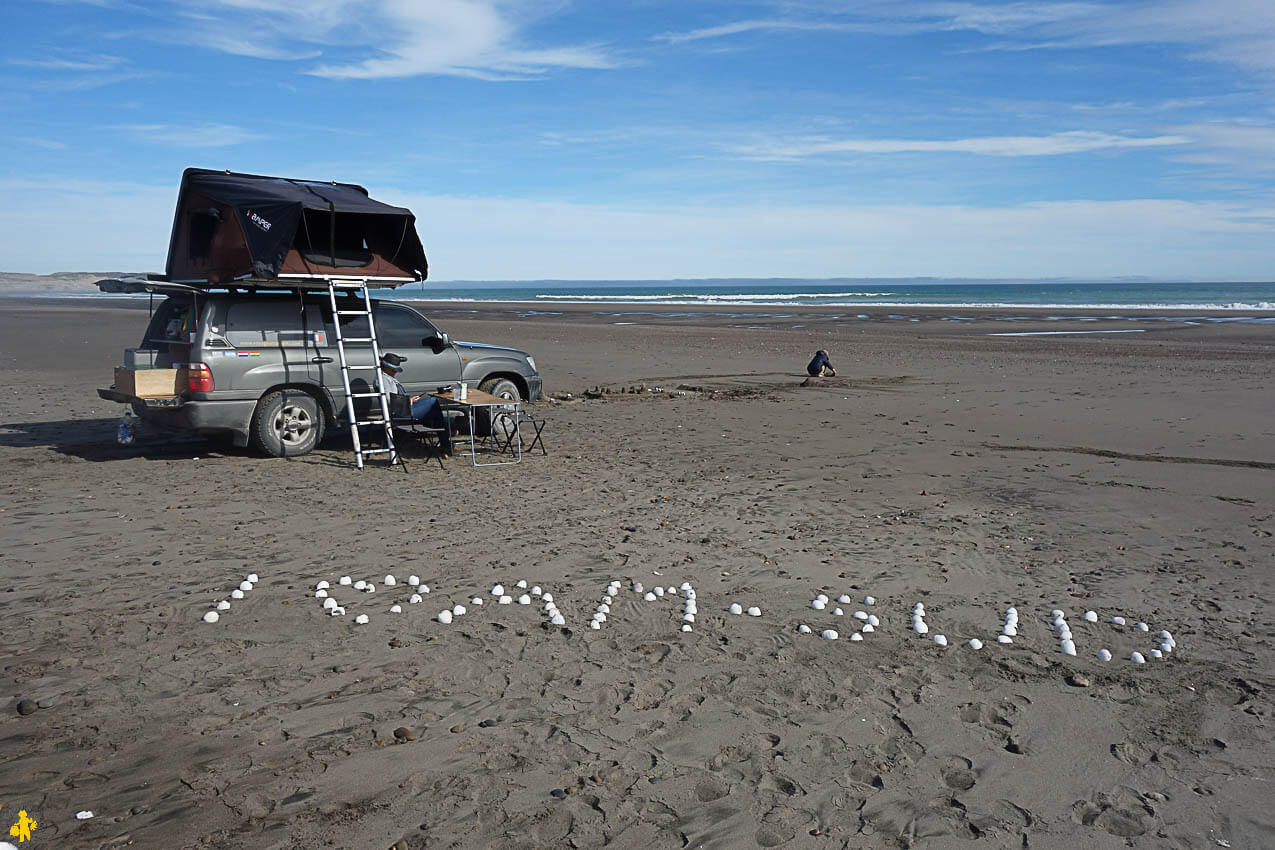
(231, 227)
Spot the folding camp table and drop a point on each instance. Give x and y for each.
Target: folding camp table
(503, 409)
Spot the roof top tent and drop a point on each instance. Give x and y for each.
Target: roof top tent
(246, 230)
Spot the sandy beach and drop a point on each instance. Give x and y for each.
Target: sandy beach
(1129, 474)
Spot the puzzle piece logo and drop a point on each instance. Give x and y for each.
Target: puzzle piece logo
(22, 829)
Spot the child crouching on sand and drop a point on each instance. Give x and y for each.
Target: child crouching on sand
(821, 366)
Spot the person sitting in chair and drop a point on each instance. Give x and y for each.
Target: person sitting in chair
(425, 408)
(821, 366)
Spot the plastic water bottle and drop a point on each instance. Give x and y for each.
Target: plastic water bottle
(127, 430)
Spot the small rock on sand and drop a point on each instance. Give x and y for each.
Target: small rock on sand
(1078, 681)
(27, 706)
(402, 733)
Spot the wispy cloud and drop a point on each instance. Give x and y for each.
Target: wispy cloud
(1242, 148)
(897, 17)
(1054, 144)
(469, 38)
(1125, 107)
(1238, 32)
(69, 70)
(243, 44)
(600, 137)
(87, 63)
(765, 25)
(46, 144)
(88, 82)
(196, 136)
(376, 39)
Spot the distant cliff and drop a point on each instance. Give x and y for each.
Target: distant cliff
(13, 283)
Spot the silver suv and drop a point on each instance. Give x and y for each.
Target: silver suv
(262, 368)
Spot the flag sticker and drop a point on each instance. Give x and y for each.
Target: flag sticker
(248, 353)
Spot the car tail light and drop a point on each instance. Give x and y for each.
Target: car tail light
(200, 376)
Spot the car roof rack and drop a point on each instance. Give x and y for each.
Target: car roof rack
(159, 284)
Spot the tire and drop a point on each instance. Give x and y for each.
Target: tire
(502, 387)
(287, 423)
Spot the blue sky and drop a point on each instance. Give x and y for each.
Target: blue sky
(649, 139)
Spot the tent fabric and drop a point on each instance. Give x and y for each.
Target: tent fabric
(230, 227)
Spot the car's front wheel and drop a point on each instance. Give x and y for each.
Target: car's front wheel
(287, 423)
(501, 388)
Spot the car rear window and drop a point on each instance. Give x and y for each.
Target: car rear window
(173, 321)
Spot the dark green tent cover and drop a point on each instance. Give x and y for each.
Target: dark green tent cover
(232, 227)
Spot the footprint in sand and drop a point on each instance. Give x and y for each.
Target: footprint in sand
(1011, 815)
(781, 824)
(996, 720)
(989, 717)
(709, 790)
(1121, 814)
(958, 774)
(955, 815)
(1132, 753)
(769, 836)
(865, 773)
(782, 784)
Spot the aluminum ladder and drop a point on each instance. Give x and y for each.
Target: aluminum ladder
(359, 287)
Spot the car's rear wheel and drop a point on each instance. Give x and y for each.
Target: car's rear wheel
(287, 423)
(501, 388)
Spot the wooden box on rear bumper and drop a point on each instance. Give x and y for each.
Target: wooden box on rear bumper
(150, 383)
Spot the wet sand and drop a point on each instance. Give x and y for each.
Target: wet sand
(1131, 474)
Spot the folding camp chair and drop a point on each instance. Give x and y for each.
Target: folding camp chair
(513, 430)
(402, 421)
(430, 438)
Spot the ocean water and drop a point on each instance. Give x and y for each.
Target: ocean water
(856, 292)
(699, 297)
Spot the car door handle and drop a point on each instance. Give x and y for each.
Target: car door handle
(321, 360)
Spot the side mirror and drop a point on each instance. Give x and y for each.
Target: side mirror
(437, 343)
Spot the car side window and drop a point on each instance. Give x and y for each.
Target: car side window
(400, 328)
(262, 322)
(351, 326)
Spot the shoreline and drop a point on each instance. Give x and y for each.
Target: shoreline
(718, 310)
